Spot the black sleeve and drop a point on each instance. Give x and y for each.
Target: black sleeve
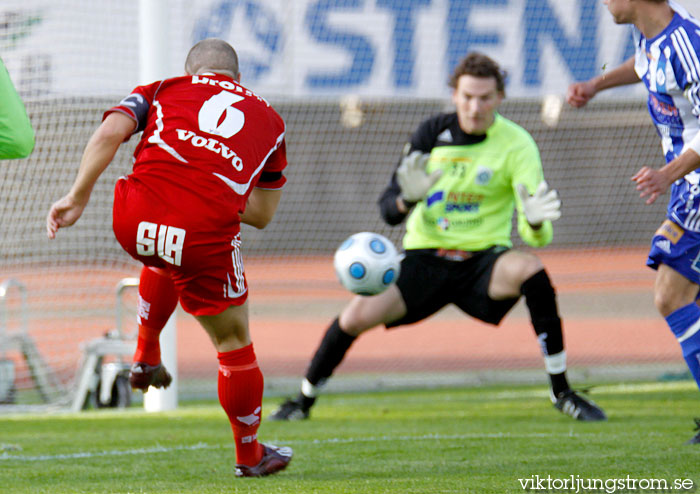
(387, 203)
(421, 140)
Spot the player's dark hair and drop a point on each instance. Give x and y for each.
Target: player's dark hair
(478, 65)
(214, 55)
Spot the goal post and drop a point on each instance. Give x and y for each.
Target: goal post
(154, 65)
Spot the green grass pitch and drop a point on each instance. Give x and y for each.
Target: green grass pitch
(474, 440)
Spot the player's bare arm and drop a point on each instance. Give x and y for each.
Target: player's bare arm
(580, 93)
(98, 154)
(401, 205)
(261, 207)
(653, 183)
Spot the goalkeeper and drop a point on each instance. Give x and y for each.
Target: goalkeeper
(461, 178)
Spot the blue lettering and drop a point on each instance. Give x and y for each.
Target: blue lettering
(263, 26)
(459, 38)
(462, 208)
(267, 31)
(404, 30)
(541, 22)
(362, 51)
(217, 23)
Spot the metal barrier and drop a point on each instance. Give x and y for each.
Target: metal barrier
(107, 383)
(44, 378)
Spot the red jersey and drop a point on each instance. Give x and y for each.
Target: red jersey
(206, 142)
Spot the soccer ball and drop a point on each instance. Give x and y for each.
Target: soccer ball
(367, 263)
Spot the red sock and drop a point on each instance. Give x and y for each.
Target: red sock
(240, 394)
(157, 301)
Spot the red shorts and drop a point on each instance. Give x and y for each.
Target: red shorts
(204, 262)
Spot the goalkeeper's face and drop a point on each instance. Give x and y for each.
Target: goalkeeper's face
(476, 99)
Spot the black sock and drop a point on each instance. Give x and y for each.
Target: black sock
(559, 383)
(306, 402)
(541, 300)
(330, 353)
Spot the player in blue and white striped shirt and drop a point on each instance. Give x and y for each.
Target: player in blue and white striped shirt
(667, 61)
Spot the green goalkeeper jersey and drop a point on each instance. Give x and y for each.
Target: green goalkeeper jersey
(471, 206)
(16, 133)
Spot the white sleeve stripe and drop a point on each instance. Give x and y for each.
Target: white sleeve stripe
(693, 96)
(686, 54)
(689, 60)
(691, 50)
(680, 50)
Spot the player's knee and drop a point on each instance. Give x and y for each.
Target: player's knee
(353, 325)
(355, 318)
(228, 330)
(532, 267)
(665, 302)
(523, 268)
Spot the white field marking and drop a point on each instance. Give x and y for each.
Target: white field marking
(204, 446)
(97, 454)
(647, 387)
(492, 435)
(632, 388)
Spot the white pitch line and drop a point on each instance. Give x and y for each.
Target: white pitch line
(97, 454)
(204, 446)
(493, 435)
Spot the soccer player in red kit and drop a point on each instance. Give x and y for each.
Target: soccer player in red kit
(211, 157)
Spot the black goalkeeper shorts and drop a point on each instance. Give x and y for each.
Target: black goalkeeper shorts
(428, 282)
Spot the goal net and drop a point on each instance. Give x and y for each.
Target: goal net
(352, 80)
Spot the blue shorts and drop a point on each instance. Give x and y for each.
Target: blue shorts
(677, 248)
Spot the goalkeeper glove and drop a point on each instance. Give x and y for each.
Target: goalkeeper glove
(412, 177)
(543, 205)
